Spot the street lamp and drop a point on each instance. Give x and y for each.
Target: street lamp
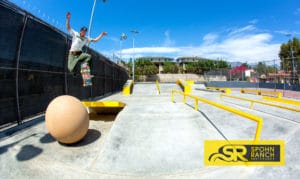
(91, 19)
(122, 37)
(292, 56)
(134, 32)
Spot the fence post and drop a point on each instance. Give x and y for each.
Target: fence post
(17, 68)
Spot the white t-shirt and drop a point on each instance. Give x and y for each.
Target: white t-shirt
(77, 41)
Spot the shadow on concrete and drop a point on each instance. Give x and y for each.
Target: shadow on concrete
(199, 89)
(91, 136)
(28, 152)
(12, 130)
(261, 110)
(210, 121)
(47, 138)
(5, 148)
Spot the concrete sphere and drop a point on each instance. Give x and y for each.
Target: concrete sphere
(67, 119)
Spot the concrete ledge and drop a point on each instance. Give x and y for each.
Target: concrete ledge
(127, 88)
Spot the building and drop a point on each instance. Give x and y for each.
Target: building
(182, 61)
(159, 62)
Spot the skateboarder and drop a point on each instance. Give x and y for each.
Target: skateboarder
(78, 41)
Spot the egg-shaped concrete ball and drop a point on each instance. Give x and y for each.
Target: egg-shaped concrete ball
(67, 120)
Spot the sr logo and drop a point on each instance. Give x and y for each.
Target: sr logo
(230, 153)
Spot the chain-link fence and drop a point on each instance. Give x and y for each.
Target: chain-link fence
(273, 75)
(33, 68)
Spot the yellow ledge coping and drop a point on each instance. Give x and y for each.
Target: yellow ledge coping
(259, 102)
(257, 119)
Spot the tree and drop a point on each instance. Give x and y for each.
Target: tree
(222, 64)
(170, 67)
(285, 55)
(145, 67)
(290, 58)
(261, 68)
(203, 66)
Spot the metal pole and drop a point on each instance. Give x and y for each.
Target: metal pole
(19, 114)
(134, 32)
(274, 75)
(123, 37)
(292, 56)
(91, 20)
(283, 65)
(293, 63)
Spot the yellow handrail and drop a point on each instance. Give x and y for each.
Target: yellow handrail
(286, 101)
(262, 92)
(158, 87)
(259, 102)
(227, 108)
(225, 90)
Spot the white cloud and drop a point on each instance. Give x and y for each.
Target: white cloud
(254, 21)
(142, 50)
(210, 38)
(286, 32)
(168, 42)
(246, 47)
(239, 31)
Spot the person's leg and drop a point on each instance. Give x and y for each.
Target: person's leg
(85, 57)
(72, 61)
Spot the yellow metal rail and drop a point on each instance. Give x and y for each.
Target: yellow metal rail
(227, 108)
(112, 107)
(286, 101)
(158, 87)
(186, 87)
(127, 87)
(259, 102)
(105, 104)
(262, 92)
(225, 90)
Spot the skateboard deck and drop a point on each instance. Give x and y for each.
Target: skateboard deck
(86, 75)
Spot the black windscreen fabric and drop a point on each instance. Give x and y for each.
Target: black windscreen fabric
(8, 106)
(33, 67)
(37, 89)
(10, 31)
(43, 48)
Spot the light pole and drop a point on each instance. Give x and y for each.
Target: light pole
(134, 32)
(292, 56)
(91, 19)
(123, 37)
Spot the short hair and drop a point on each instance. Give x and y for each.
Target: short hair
(83, 28)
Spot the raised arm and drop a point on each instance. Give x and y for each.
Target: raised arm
(99, 37)
(68, 16)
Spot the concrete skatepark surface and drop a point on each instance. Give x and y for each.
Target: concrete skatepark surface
(152, 137)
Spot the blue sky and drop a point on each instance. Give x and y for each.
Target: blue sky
(233, 30)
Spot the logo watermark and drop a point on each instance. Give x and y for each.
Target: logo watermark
(244, 152)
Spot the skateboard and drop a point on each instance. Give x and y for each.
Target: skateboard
(86, 75)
